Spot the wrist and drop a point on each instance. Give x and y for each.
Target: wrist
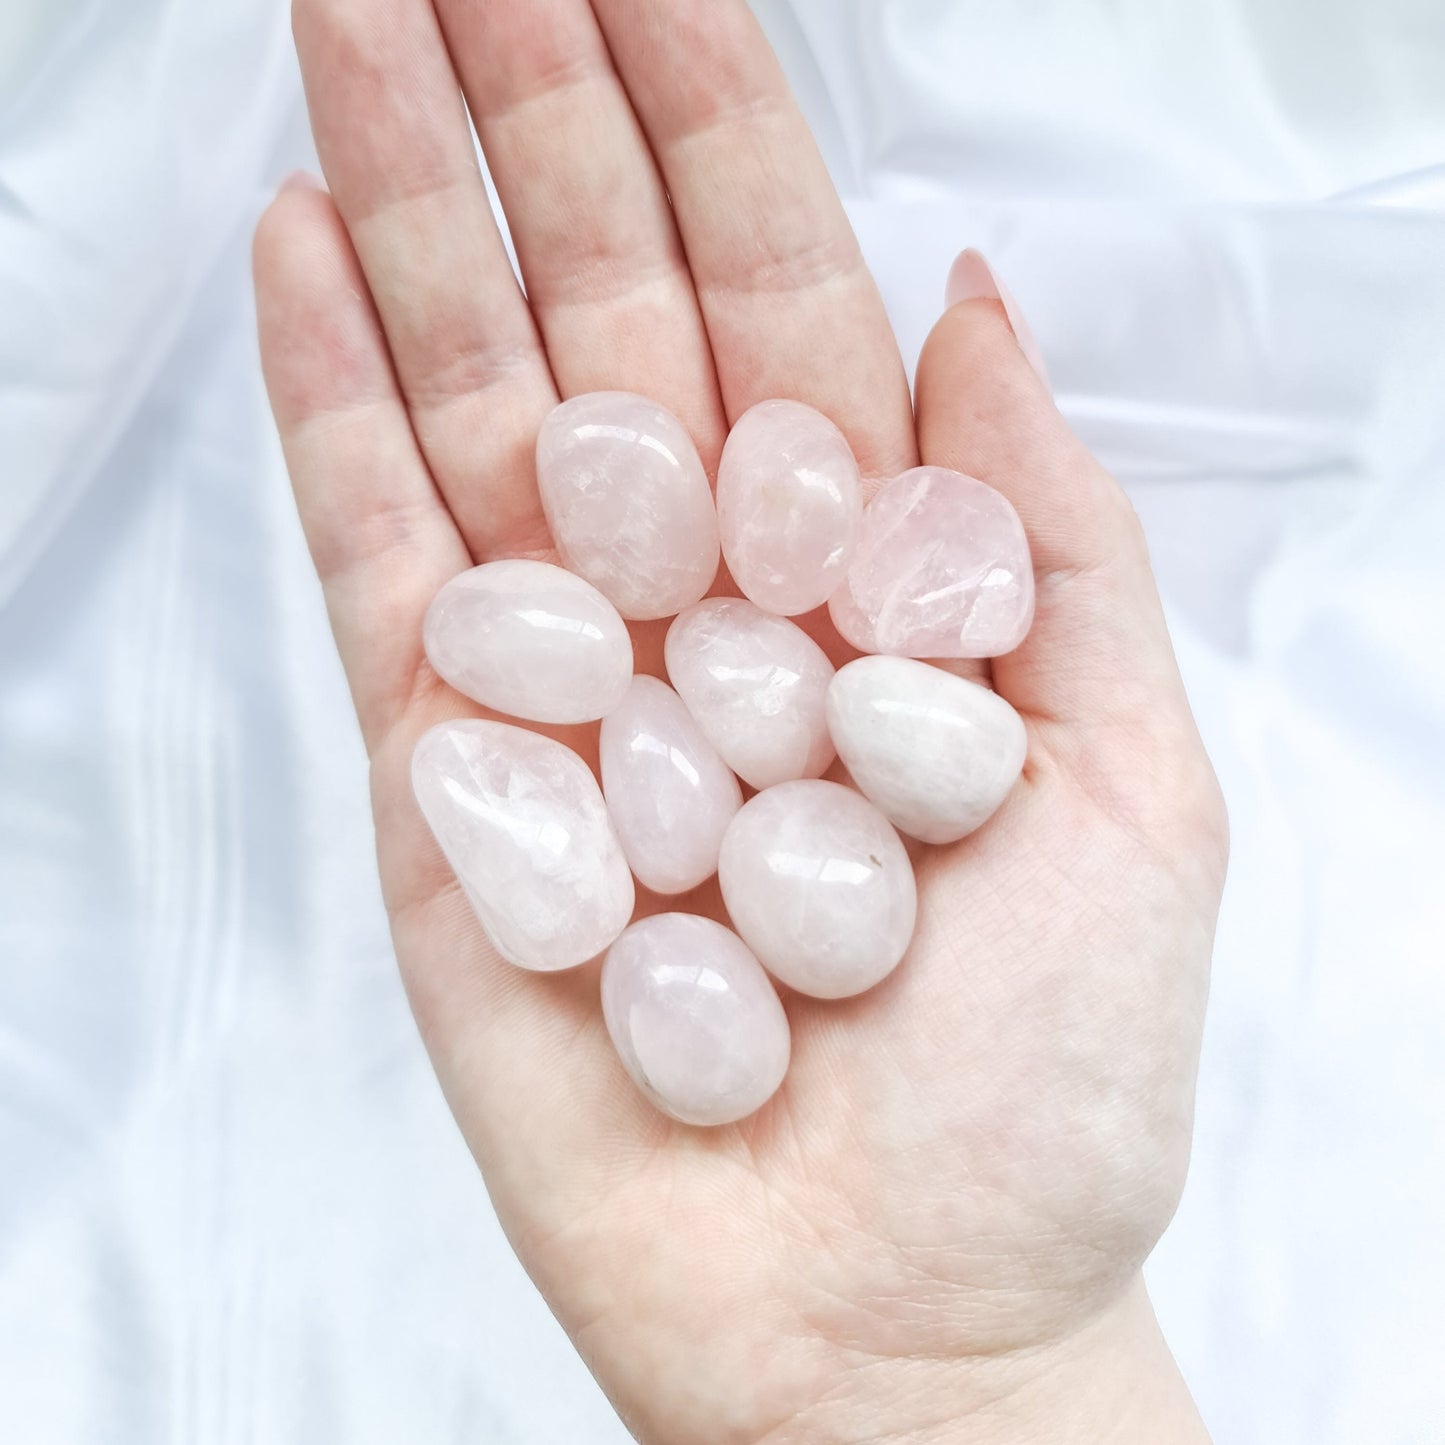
(1113, 1381)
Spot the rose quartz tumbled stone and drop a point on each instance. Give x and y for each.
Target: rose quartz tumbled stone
(789, 502)
(936, 754)
(694, 1018)
(522, 822)
(532, 640)
(628, 502)
(941, 569)
(819, 886)
(757, 685)
(670, 795)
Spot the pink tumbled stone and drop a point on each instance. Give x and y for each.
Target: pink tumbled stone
(942, 569)
(670, 795)
(523, 825)
(757, 685)
(935, 753)
(819, 886)
(694, 1019)
(789, 503)
(628, 503)
(532, 640)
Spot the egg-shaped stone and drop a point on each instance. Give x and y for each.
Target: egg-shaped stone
(818, 885)
(694, 1019)
(531, 640)
(670, 795)
(935, 753)
(757, 685)
(789, 504)
(521, 820)
(628, 502)
(941, 569)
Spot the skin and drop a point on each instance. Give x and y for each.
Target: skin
(935, 1230)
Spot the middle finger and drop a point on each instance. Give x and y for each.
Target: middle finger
(604, 268)
(790, 307)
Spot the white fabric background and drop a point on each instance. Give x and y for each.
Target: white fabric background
(232, 1206)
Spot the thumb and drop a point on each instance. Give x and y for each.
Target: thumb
(1096, 677)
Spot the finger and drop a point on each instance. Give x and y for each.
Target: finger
(396, 149)
(1098, 646)
(381, 536)
(1096, 676)
(789, 305)
(383, 543)
(604, 269)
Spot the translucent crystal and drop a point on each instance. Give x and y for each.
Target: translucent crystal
(694, 1018)
(941, 569)
(532, 640)
(819, 886)
(757, 685)
(628, 502)
(522, 822)
(670, 795)
(789, 503)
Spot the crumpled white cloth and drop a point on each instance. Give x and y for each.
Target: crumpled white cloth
(232, 1205)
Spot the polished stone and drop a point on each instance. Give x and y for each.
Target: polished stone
(819, 886)
(523, 825)
(531, 640)
(694, 1018)
(670, 795)
(935, 753)
(757, 685)
(942, 569)
(628, 502)
(789, 504)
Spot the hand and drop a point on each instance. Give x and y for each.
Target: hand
(935, 1231)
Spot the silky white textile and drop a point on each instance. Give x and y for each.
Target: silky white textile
(232, 1206)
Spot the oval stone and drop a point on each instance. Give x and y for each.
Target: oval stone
(757, 685)
(942, 569)
(628, 502)
(670, 795)
(789, 503)
(523, 825)
(819, 886)
(532, 640)
(694, 1019)
(935, 753)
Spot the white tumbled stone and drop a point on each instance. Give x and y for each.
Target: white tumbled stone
(789, 502)
(670, 795)
(757, 685)
(522, 822)
(935, 753)
(819, 886)
(694, 1019)
(531, 640)
(628, 502)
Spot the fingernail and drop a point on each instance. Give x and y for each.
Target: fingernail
(973, 279)
(302, 181)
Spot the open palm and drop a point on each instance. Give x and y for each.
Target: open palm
(954, 1190)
